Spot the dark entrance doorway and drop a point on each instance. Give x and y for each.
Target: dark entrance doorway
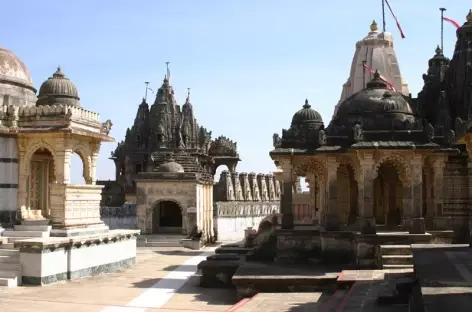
(168, 217)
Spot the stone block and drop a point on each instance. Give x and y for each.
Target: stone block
(217, 273)
(191, 244)
(337, 247)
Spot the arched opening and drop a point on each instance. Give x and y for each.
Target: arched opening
(347, 195)
(167, 217)
(77, 169)
(41, 175)
(218, 172)
(388, 196)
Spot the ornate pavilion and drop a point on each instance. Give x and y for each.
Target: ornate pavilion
(387, 160)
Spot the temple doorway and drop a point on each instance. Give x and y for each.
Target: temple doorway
(388, 196)
(168, 217)
(40, 176)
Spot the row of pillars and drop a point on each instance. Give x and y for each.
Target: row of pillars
(412, 203)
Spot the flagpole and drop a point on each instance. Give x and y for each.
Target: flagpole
(383, 16)
(442, 28)
(145, 94)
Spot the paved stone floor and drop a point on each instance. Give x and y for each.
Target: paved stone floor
(149, 286)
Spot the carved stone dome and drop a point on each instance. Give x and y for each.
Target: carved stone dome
(12, 69)
(377, 108)
(170, 166)
(306, 115)
(58, 89)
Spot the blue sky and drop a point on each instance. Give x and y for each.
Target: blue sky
(249, 63)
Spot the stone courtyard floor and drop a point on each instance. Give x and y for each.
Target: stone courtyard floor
(149, 286)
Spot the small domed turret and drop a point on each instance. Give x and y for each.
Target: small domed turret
(170, 166)
(306, 115)
(58, 89)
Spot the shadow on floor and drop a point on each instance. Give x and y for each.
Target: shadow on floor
(179, 252)
(212, 296)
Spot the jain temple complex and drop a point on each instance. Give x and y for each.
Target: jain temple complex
(389, 168)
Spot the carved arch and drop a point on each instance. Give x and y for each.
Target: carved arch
(85, 155)
(349, 161)
(399, 163)
(311, 166)
(33, 148)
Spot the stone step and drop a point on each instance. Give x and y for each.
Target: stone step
(397, 266)
(10, 266)
(162, 244)
(36, 222)
(10, 282)
(334, 302)
(7, 246)
(36, 228)
(9, 273)
(9, 252)
(15, 239)
(397, 259)
(387, 250)
(29, 234)
(10, 259)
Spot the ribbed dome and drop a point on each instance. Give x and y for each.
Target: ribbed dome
(306, 115)
(58, 89)
(170, 166)
(12, 69)
(374, 102)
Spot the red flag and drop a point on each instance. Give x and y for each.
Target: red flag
(453, 22)
(389, 84)
(396, 20)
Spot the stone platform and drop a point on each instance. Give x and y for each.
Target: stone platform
(49, 260)
(445, 273)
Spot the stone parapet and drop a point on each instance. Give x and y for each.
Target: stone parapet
(241, 209)
(52, 259)
(249, 187)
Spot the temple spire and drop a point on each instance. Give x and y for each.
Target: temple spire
(188, 96)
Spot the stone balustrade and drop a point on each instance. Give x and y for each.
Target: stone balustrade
(249, 187)
(47, 111)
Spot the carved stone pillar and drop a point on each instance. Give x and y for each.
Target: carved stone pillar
(95, 149)
(437, 194)
(330, 217)
(286, 203)
(63, 166)
(366, 196)
(416, 191)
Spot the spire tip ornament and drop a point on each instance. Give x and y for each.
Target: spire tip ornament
(374, 26)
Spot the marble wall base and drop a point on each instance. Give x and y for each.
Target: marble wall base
(71, 232)
(50, 260)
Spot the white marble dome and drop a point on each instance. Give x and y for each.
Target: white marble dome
(16, 85)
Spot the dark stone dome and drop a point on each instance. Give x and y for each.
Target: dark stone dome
(58, 89)
(306, 115)
(377, 108)
(170, 166)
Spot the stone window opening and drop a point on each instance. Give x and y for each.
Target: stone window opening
(40, 177)
(138, 168)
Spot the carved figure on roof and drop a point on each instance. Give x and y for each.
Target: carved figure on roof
(277, 141)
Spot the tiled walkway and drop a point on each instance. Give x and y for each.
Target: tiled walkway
(146, 287)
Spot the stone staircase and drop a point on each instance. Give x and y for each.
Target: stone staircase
(10, 267)
(395, 257)
(152, 241)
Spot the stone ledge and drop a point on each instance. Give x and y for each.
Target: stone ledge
(46, 244)
(191, 244)
(70, 275)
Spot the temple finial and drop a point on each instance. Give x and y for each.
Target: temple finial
(374, 26)
(188, 95)
(469, 16)
(376, 74)
(58, 72)
(307, 105)
(438, 50)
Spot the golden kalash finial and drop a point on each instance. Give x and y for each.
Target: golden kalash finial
(469, 17)
(373, 26)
